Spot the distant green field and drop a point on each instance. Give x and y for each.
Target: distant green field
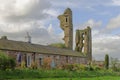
(93, 78)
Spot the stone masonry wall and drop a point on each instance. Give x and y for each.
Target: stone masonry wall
(57, 60)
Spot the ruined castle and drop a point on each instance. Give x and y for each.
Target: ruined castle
(28, 52)
(82, 39)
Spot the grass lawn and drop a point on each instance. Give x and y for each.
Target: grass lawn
(28, 74)
(92, 78)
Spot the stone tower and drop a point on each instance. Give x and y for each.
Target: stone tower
(67, 27)
(84, 42)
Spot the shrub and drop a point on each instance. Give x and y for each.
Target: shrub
(114, 62)
(90, 66)
(77, 67)
(12, 63)
(34, 65)
(96, 68)
(82, 67)
(46, 63)
(23, 65)
(6, 62)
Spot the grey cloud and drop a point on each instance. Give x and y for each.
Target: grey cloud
(100, 56)
(19, 19)
(39, 36)
(106, 45)
(33, 13)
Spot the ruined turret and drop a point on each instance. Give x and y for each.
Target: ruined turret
(84, 43)
(67, 26)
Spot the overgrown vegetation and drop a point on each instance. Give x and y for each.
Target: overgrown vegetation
(58, 45)
(6, 62)
(67, 71)
(115, 64)
(7, 71)
(41, 73)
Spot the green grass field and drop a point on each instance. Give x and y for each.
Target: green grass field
(92, 78)
(29, 74)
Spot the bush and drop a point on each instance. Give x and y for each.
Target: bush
(115, 64)
(34, 65)
(23, 65)
(90, 68)
(96, 68)
(46, 63)
(83, 67)
(78, 67)
(12, 63)
(6, 62)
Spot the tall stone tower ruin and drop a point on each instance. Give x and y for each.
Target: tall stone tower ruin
(67, 27)
(84, 42)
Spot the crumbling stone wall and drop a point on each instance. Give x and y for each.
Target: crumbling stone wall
(59, 60)
(84, 43)
(67, 27)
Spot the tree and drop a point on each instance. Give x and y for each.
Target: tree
(107, 61)
(58, 45)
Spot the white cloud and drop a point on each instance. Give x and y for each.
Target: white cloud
(8, 27)
(92, 23)
(114, 23)
(41, 35)
(17, 10)
(14, 27)
(50, 29)
(116, 2)
(20, 16)
(52, 12)
(95, 33)
(106, 44)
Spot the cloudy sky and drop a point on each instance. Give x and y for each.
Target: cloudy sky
(39, 18)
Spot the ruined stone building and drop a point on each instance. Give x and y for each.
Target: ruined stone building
(67, 26)
(84, 43)
(83, 37)
(29, 52)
